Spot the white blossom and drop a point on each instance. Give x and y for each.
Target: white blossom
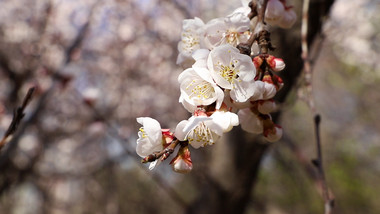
(191, 40)
(233, 71)
(263, 91)
(199, 91)
(233, 29)
(150, 138)
(199, 131)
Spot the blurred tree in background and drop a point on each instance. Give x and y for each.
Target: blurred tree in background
(97, 65)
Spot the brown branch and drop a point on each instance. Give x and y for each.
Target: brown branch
(263, 36)
(162, 155)
(18, 114)
(262, 6)
(329, 202)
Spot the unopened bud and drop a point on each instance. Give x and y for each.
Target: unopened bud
(276, 64)
(266, 106)
(273, 134)
(182, 162)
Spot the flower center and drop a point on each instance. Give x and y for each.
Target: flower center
(143, 133)
(189, 40)
(232, 37)
(229, 73)
(201, 133)
(201, 89)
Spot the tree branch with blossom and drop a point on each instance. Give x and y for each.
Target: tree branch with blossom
(224, 83)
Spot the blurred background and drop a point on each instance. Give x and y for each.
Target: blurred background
(97, 65)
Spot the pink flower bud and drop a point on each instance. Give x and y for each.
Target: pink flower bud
(182, 162)
(273, 134)
(266, 106)
(276, 64)
(167, 137)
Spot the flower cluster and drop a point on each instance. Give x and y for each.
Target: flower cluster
(221, 86)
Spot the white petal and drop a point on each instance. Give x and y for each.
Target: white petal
(200, 54)
(243, 91)
(194, 121)
(214, 127)
(188, 106)
(250, 122)
(226, 120)
(270, 91)
(179, 133)
(220, 97)
(151, 126)
(146, 147)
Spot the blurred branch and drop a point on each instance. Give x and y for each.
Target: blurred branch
(18, 114)
(305, 163)
(6, 164)
(329, 202)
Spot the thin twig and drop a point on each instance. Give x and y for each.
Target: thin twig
(305, 163)
(162, 155)
(18, 114)
(305, 55)
(329, 202)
